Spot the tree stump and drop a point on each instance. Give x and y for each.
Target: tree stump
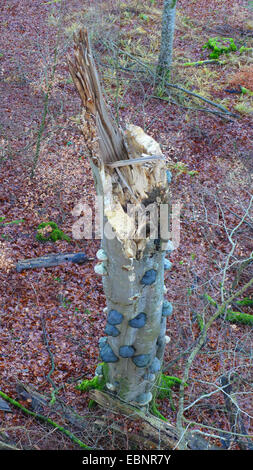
(130, 174)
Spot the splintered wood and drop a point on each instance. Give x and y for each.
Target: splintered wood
(85, 78)
(121, 184)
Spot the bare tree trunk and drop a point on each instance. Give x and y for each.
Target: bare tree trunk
(167, 37)
(130, 174)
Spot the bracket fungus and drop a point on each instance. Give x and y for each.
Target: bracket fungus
(144, 398)
(126, 351)
(169, 176)
(167, 264)
(107, 354)
(111, 330)
(114, 317)
(141, 360)
(99, 371)
(101, 255)
(170, 246)
(149, 277)
(100, 269)
(167, 308)
(155, 366)
(139, 321)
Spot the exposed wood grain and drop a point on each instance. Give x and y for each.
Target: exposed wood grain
(85, 77)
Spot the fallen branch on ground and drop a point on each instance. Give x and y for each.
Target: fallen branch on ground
(44, 419)
(52, 260)
(157, 431)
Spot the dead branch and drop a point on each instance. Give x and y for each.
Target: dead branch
(234, 415)
(52, 260)
(153, 428)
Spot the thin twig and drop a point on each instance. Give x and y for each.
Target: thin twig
(55, 389)
(230, 238)
(201, 340)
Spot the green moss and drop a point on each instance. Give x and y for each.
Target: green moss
(49, 231)
(144, 17)
(200, 321)
(164, 384)
(245, 301)
(243, 107)
(13, 222)
(210, 300)
(245, 91)
(231, 316)
(200, 62)
(97, 383)
(90, 384)
(245, 49)
(155, 411)
(239, 317)
(220, 46)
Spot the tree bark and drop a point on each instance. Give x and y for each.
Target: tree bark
(131, 258)
(167, 38)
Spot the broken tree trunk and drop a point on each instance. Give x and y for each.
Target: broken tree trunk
(130, 174)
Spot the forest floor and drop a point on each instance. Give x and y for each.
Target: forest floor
(51, 318)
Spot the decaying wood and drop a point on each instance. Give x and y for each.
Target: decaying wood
(135, 161)
(153, 428)
(52, 260)
(7, 446)
(145, 442)
(121, 181)
(40, 403)
(85, 77)
(129, 171)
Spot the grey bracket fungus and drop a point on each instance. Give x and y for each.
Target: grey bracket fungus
(155, 366)
(167, 264)
(149, 277)
(114, 317)
(101, 255)
(170, 247)
(111, 330)
(139, 321)
(100, 269)
(99, 371)
(107, 354)
(149, 377)
(143, 398)
(142, 360)
(167, 308)
(126, 351)
(102, 341)
(169, 176)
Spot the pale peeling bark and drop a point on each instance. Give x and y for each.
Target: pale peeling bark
(130, 262)
(167, 38)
